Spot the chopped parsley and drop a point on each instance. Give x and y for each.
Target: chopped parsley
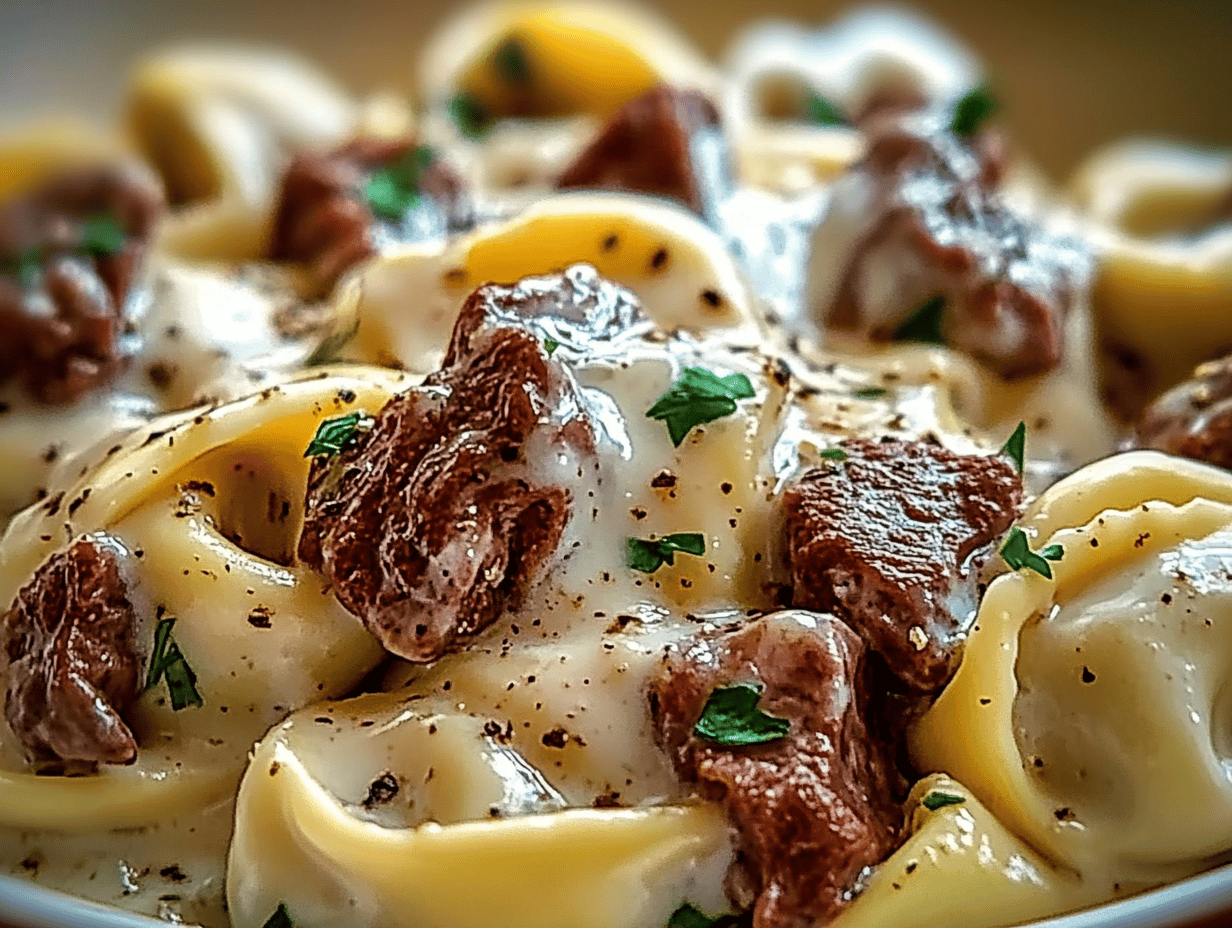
(923, 325)
(280, 919)
(338, 434)
(689, 916)
(102, 236)
(471, 116)
(870, 393)
(1015, 446)
(822, 112)
(648, 556)
(833, 454)
(511, 63)
(1017, 553)
(972, 111)
(167, 662)
(731, 718)
(550, 345)
(699, 396)
(938, 800)
(394, 189)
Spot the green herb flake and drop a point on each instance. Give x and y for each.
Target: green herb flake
(731, 718)
(833, 454)
(648, 556)
(870, 393)
(280, 919)
(338, 434)
(699, 396)
(393, 190)
(550, 345)
(1015, 446)
(939, 800)
(822, 112)
(471, 117)
(1017, 553)
(102, 236)
(972, 111)
(167, 662)
(510, 61)
(923, 325)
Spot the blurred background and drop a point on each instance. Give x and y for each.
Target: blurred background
(1071, 74)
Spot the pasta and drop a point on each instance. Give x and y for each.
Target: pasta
(615, 491)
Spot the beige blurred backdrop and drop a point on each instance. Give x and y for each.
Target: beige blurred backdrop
(1071, 74)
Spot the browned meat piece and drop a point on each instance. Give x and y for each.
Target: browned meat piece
(1193, 419)
(665, 142)
(890, 540)
(917, 219)
(65, 273)
(325, 220)
(70, 639)
(436, 521)
(811, 810)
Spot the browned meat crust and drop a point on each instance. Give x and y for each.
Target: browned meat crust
(323, 219)
(70, 639)
(62, 304)
(437, 520)
(651, 145)
(813, 809)
(928, 216)
(890, 540)
(1193, 419)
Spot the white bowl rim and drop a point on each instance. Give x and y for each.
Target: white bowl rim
(29, 905)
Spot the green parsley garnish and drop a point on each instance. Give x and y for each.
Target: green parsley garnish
(731, 718)
(511, 63)
(167, 662)
(870, 393)
(833, 454)
(822, 112)
(699, 396)
(972, 110)
(939, 800)
(689, 916)
(394, 189)
(550, 345)
(1015, 446)
(648, 556)
(923, 325)
(1017, 553)
(337, 435)
(472, 117)
(280, 919)
(101, 235)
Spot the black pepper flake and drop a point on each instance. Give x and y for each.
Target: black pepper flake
(173, 873)
(663, 480)
(712, 298)
(726, 488)
(1087, 676)
(1166, 599)
(1064, 814)
(382, 790)
(1094, 542)
(556, 738)
(610, 242)
(260, 617)
(77, 503)
(50, 455)
(659, 259)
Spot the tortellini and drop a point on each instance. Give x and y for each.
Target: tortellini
(1098, 698)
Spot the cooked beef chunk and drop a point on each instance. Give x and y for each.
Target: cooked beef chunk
(70, 639)
(440, 517)
(65, 274)
(813, 809)
(665, 142)
(325, 218)
(917, 219)
(890, 541)
(1193, 419)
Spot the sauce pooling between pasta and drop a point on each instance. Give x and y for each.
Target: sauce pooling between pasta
(624, 493)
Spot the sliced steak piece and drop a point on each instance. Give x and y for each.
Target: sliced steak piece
(330, 218)
(70, 640)
(69, 253)
(666, 142)
(890, 540)
(813, 809)
(445, 513)
(917, 221)
(1193, 419)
